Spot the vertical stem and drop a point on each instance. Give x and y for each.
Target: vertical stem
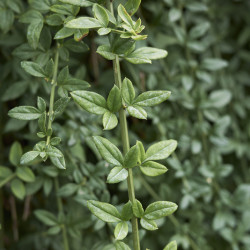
(126, 146)
(60, 209)
(52, 94)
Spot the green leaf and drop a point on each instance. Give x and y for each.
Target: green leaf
(53, 151)
(101, 14)
(54, 20)
(59, 162)
(55, 141)
(160, 150)
(214, 64)
(60, 105)
(80, 3)
(68, 189)
(159, 209)
(148, 224)
(121, 230)
(54, 230)
(25, 174)
(90, 101)
(64, 32)
(127, 91)
(105, 51)
(119, 245)
(104, 211)
(132, 6)
(145, 55)
(29, 157)
(137, 209)
(171, 246)
(33, 69)
(137, 112)
(15, 153)
(103, 31)
(131, 158)
(199, 30)
(219, 98)
(127, 211)
(151, 98)
(117, 174)
(84, 23)
(5, 172)
(124, 15)
(25, 113)
(108, 151)
(142, 153)
(46, 217)
(151, 168)
(33, 33)
(73, 84)
(41, 104)
(7, 18)
(109, 121)
(114, 101)
(18, 189)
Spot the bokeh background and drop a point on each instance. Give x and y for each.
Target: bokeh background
(208, 72)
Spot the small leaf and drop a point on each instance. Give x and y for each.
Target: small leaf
(151, 98)
(151, 168)
(18, 188)
(67, 190)
(25, 113)
(114, 101)
(214, 64)
(59, 162)
(90, 101)
(28, 157)
(103, 32)
(104, 211)
(55, 141)
(124, 15)
(159, 209)
(105, 51)
(132, 157)
(60, 105)
(137, 209)
(127, 211)
(84, 23)
(64, 32)
(15, 153)
(142, 153)
(33, 69)
(219, 98)
(80, 3)
(41, 104)
(117, 174)
(137, 112)
(46, 217)
(5, 172)
(109, 121)
(132, 6)
(171, 246)
(160, 150)
(101, 14)
(127, 91)
(25, 174)
(119, 245)
(34, 32)
(148, 224)
(121, 230)
(108, 151)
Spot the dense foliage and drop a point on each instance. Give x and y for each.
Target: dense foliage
(206, 71)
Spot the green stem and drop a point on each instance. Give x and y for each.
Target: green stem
(52, 95)
(60, 209)
(8, 179)
(126, 146)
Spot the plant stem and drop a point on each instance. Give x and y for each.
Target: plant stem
(60, 208)
(8, 179)
(52, 95)
(126, 146)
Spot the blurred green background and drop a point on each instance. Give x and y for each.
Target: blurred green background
(207, 70)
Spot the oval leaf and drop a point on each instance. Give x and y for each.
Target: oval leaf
(117, 174)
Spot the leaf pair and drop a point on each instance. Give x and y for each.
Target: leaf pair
(153, 212)
(96, 104)
(147, 99)
(108, 213)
